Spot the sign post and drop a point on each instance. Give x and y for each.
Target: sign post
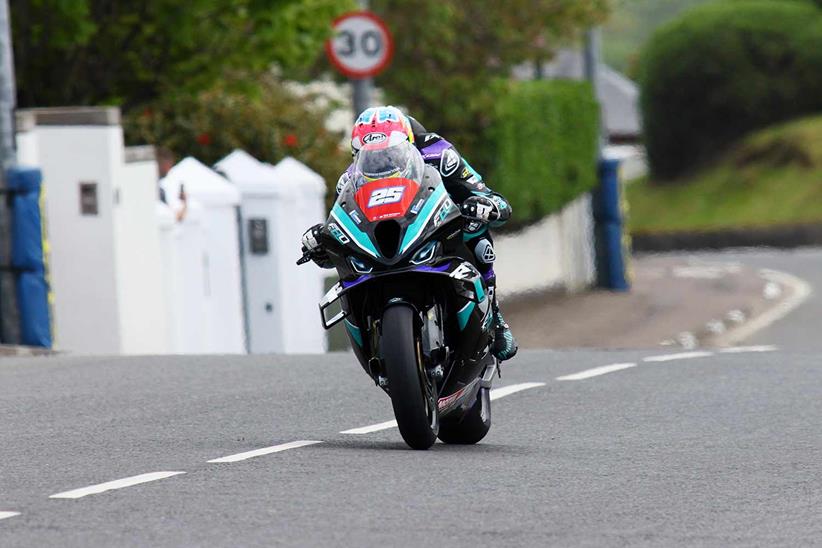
(361, 48)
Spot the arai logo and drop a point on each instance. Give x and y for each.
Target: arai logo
(374, 138)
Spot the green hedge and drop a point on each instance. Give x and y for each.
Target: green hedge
(545, 138)
(723, 70)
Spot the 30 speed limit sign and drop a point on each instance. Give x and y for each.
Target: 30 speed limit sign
(361, 46)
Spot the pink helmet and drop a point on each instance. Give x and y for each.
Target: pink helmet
(380, 127)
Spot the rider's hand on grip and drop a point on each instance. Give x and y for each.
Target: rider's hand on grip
(480, 208)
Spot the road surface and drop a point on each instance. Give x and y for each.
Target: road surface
(588, 448)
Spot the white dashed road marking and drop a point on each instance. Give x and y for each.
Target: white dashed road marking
(745, 349)
(596, 371)
(116, 484)
(680, 356)
(496, 394)
(265, 451)
(4, 515)
(372, 428)
(503, 391)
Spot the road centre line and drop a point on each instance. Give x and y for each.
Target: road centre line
(744, 349)
(264, 451)
(112, 485)
(596, 371)
(4, 515)
(496, 394)
(680, 356)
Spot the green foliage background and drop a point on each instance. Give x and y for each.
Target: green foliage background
(545, 135)
(723, 70)
(450, 53)
(260, 116)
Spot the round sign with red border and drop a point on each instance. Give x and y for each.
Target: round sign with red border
(362, 46)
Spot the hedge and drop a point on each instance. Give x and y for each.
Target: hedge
(723, 70)
(545, 136)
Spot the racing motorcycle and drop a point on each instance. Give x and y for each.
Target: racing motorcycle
(416, 310)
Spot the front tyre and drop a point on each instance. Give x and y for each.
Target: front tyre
(412, 394)
(473, 425)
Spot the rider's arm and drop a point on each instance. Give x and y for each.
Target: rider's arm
(461, 180)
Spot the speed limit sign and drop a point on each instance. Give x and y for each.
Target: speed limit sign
(361, 46)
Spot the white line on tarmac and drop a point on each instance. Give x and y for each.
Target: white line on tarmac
(503, 391)
(4, 515)
(496, 394)
(680, 356)
(745, 349)
(265, 451)
(116, 484)
(801, 290)
(596, 371)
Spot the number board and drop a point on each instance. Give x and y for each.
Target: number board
(362, 45)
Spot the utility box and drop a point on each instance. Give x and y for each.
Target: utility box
(277, 204)
(102, 242)
(224, 325)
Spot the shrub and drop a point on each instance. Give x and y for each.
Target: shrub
(260, 116)
(723, 70)
(545, 135)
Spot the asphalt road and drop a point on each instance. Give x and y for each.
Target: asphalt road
(697, 449)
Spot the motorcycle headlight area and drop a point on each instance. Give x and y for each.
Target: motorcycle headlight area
(426, 253)
(359, 265)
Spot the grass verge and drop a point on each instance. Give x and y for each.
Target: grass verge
(773, 177)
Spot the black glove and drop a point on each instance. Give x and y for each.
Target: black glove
(313, 246)
(480, 208)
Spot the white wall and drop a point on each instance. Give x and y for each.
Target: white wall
(556, 253)
(140, 271)
(83, 276)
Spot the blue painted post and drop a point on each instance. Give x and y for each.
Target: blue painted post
(27, 258)
(610, 241)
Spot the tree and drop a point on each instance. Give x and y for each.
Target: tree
(87, 52)
(450, 53)
(259, 115)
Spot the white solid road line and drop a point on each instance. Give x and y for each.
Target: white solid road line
(800, 291)
(4, 515)
(596, 371)
(116, 484)
(680, 356)
(496, 394)
(745, 349)
(265, 451)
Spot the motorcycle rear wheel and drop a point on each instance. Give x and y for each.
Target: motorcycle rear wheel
(412, 394)
(472, 426)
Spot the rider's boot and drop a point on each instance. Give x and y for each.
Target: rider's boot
(505, 345)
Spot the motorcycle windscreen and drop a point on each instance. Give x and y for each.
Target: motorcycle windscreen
(386, 198)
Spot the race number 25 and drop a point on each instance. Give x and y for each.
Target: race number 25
(383, 196)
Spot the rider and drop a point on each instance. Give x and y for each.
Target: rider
(478, 203)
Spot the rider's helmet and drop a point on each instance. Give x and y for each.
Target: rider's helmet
(380, 126)
(400, 159)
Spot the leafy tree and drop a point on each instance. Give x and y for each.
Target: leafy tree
(87, 52)
(450, 53)
(261, 116)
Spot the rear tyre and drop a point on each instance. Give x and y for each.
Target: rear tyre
(412, 394)
(474, 424)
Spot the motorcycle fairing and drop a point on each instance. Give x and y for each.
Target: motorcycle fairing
(424, 212)
(386, 198)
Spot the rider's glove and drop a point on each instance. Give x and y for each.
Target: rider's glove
(480, 208)
(312, 245)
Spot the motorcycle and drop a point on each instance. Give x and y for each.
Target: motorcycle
(417, 311)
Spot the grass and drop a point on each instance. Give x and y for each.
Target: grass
(774, 177)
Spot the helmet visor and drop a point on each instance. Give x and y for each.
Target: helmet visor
(401, 160)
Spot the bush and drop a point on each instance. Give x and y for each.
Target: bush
(545, 135)
(723, 70)
(260, 116)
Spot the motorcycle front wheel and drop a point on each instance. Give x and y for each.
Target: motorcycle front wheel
(412, 393)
